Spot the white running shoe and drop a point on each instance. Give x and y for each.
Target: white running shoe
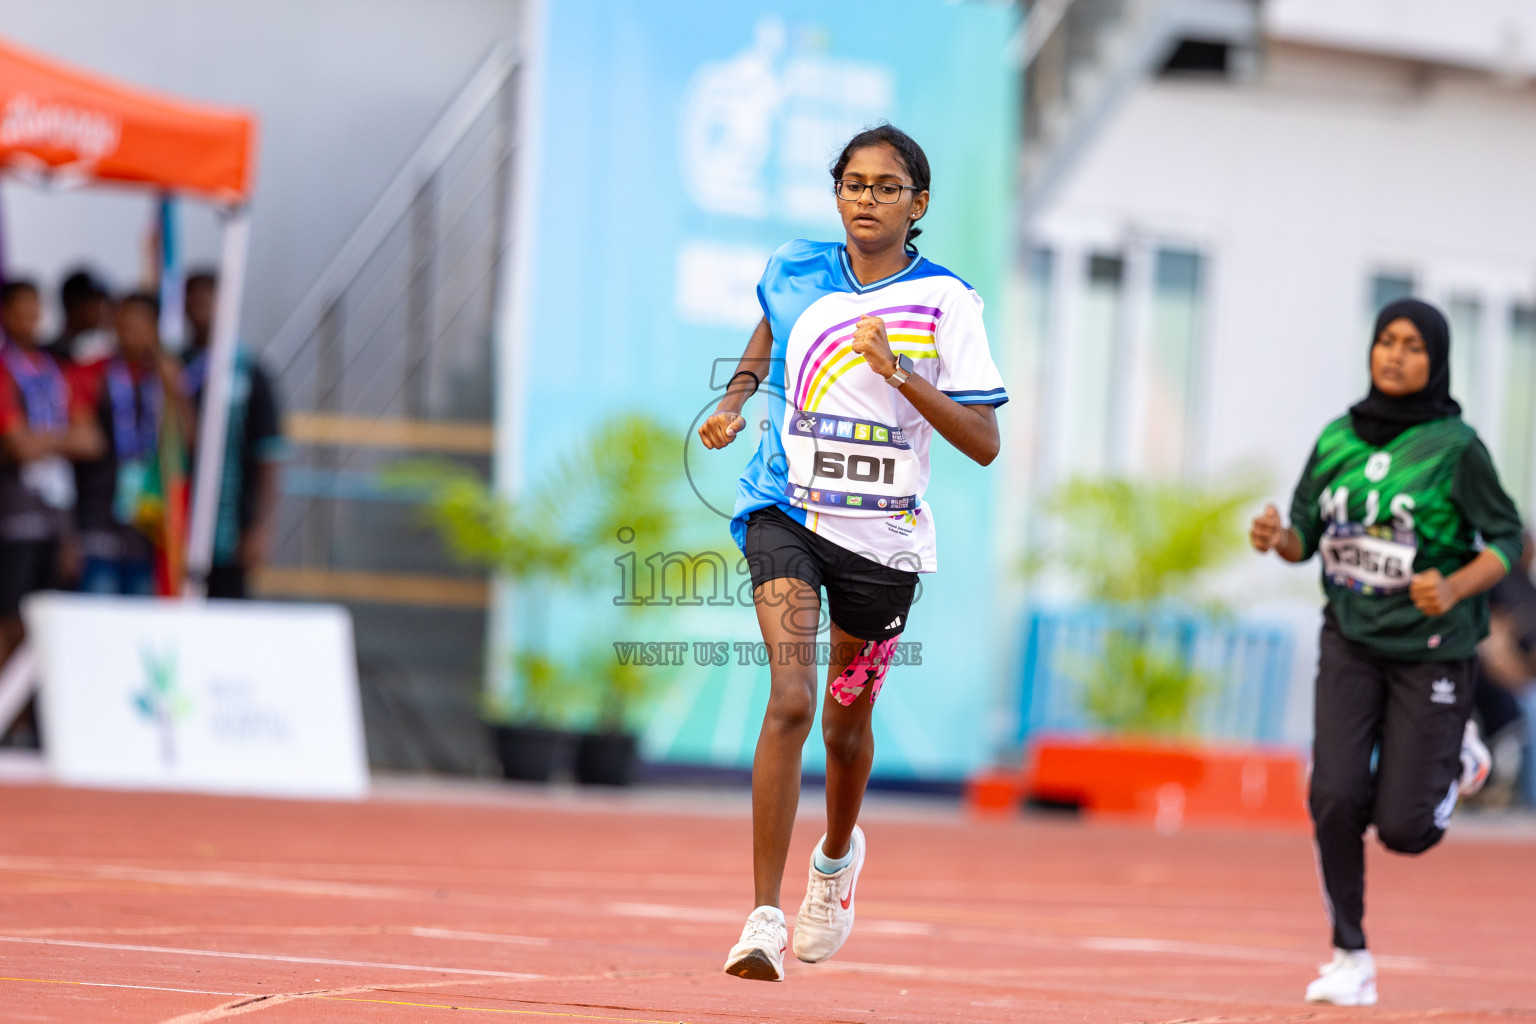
(759, 956)
(1349, 980)
(1476, 762)
(826, 913)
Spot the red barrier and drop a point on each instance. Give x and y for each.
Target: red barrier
(1168, 783)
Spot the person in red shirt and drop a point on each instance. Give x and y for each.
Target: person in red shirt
(130, 394)
(43, 425)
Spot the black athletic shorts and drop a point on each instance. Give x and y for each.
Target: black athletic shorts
(26, 566)
(865, 599)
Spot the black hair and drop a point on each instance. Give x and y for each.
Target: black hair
(14, 287)
(79, 287)
(907, 150)
(147, 299)
(201, 277)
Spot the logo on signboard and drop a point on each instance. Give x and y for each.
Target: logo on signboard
(161, 702)
(756, 128)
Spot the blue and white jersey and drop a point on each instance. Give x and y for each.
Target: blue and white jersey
(846, 454)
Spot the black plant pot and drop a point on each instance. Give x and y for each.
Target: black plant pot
(607, 758)
(533, 753)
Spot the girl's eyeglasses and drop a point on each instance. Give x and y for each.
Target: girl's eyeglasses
(884, 192)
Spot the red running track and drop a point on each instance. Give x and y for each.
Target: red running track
(468, 903)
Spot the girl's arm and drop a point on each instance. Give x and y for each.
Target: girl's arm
(1268, 533)
(970, 428)
(720, 429)
(83, 440)
(1435, 594)
(23, 445)
(1482, 500)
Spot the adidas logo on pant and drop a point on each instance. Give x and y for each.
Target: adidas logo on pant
(893, 623)
(1442, 691)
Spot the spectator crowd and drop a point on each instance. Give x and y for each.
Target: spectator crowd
(98, 431)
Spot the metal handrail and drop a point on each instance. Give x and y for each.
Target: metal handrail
(478, 93)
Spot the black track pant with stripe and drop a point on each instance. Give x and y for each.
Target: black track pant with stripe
(1411, 715)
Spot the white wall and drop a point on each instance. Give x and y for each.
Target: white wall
(1297, 187)
(1491, 34)
(344, 90)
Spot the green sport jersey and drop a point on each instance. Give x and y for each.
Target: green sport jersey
(1379, 515)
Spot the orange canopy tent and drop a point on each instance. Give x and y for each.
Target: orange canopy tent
(58, 120)
(65, 125)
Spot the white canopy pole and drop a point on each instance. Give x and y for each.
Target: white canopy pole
(213, 424)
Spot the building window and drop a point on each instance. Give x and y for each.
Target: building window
(1039, 358)
(1465, 314)
(1199, 57)
(1096, 369)
(1389, 287)
(1177, 283)
(1516, 467)
(1037, 284)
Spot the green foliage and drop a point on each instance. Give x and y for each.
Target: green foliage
(1135, 542)
(1136, 689)
(544, 698)
(618, 690)
(623, 476)
(481, 528)
(1137, 546)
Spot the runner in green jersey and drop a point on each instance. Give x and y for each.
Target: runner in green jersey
(1401, 500)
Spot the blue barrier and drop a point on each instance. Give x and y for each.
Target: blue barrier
(1246, 667)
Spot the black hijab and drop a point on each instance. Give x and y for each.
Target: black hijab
(1378, 417)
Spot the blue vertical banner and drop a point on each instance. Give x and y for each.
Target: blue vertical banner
(681, 142)
(172, 274)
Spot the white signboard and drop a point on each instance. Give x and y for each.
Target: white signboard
(218, 697)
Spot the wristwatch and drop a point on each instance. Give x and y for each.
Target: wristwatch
(903, 370)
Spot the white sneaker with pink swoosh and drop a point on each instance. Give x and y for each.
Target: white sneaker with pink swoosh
(826, 913)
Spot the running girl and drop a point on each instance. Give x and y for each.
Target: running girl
(866, 349)
(1395, 497)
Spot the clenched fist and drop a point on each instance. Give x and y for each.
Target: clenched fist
(1267, 529)
(1432, 593)
(869, 341)
(721, 429)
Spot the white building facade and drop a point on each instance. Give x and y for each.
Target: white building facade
(1197, 291)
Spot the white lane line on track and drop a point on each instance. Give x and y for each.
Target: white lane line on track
(269, 957)
(210, 879)
(448, 933)
(671, 913)
(1178, 947)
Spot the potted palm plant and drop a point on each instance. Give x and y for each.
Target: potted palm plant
(622, 480)
(1140, 549)
(1139, 554)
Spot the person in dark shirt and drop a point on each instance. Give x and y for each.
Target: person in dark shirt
(1401, 499)
(253, 451)
(43, 425)
(83, 338)
(131, 393)
(1507, 659)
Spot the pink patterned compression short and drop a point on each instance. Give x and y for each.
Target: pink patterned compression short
(867, 668)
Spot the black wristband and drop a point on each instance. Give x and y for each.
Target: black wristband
(757, 381)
